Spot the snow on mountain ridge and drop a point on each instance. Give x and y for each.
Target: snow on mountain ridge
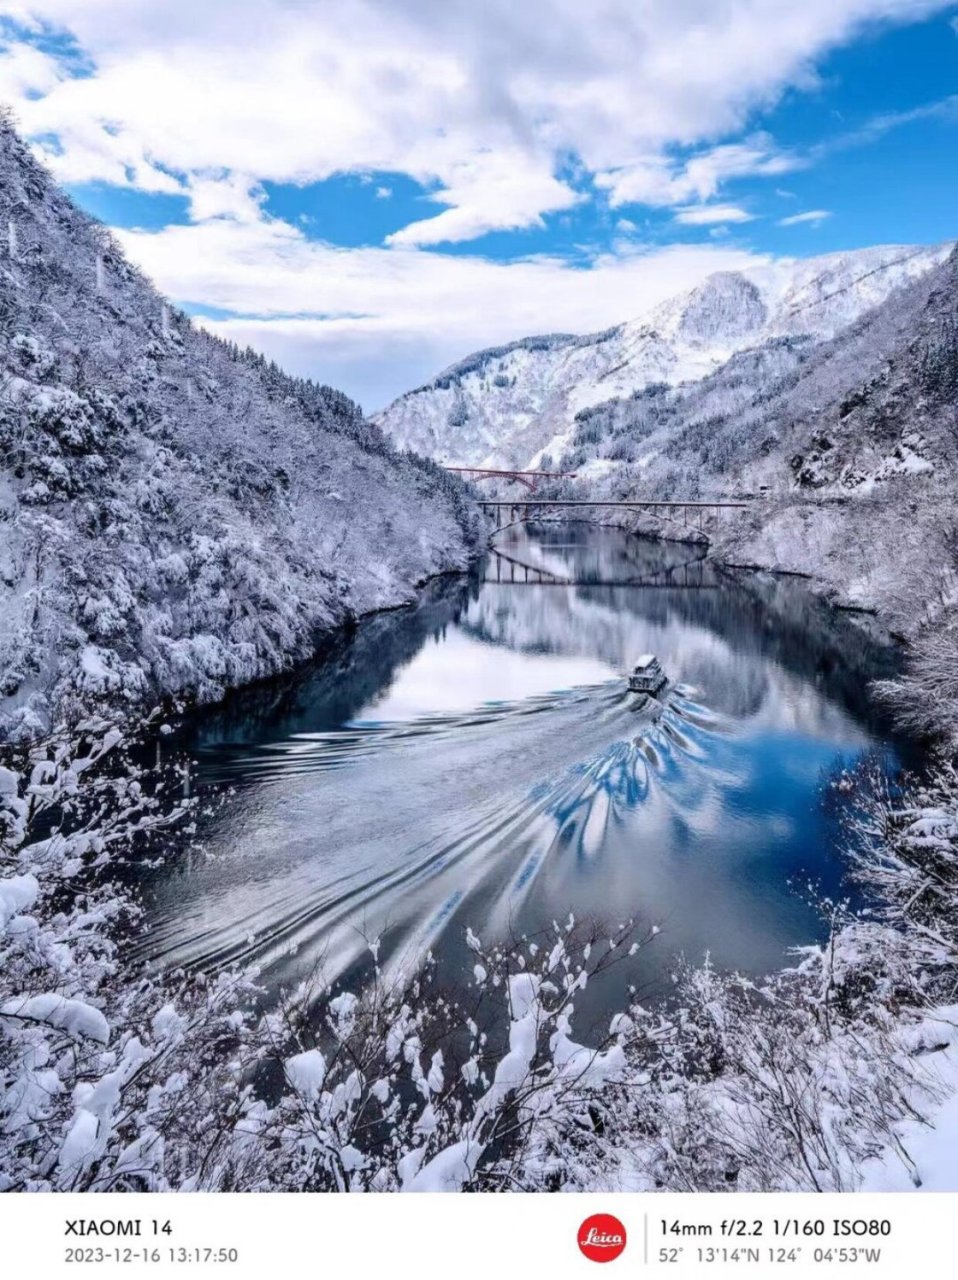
(536, 342)
(515, 405)
(851, 442)
(727, 304)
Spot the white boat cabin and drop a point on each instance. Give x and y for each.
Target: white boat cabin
(647, 675)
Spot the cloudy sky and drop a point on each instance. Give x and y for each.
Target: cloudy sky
(370, 189)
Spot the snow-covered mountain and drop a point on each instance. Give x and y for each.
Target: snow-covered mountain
(849, 446)
(842, 416)
(176, 515)
(516, 405)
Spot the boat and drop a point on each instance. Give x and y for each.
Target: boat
(647, 675)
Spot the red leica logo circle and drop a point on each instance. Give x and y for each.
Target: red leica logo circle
(602, 1237)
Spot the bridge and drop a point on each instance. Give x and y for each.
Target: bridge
(687, 515)
(690, 515)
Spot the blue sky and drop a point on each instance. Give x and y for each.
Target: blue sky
(370, 190)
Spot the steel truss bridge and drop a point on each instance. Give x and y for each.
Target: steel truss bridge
(690, 516)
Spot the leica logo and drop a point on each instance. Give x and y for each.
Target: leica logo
(602, 1240)
(602, 1237)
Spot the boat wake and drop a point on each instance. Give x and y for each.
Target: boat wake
(396, 831)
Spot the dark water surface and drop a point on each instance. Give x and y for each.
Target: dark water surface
(477, 761)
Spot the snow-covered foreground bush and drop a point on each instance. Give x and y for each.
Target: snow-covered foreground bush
(425, 1081)
(926, 696)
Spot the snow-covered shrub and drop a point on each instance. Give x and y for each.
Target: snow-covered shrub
(938, 362)
(924, 698)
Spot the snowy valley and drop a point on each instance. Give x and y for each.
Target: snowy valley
(824, 392)
(278, 944)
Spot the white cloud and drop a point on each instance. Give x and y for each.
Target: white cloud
(502, 190)
(658, 180)
(383, 193)
(814, 216)
(377, 321)
(225, 195)
(449, 92)
(705, 215)
(25, 70)
(504, 112)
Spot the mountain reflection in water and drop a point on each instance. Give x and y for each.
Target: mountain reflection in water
(477, 760)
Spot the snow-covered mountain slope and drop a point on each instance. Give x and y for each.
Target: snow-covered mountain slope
(850, 446)
(516, 405)
(176, 515)
(842, 416)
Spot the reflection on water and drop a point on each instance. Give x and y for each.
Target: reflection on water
(477, 760)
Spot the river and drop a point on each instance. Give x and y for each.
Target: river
(477, 761)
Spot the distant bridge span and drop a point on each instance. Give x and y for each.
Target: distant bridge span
(522, 510)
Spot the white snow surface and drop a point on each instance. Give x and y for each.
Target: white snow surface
(932, 1148)
(306, 1072)
(73, 1016)
(17, 893)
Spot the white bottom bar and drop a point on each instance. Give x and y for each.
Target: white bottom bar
(474, 1237)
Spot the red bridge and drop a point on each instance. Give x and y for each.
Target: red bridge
(528, 478)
